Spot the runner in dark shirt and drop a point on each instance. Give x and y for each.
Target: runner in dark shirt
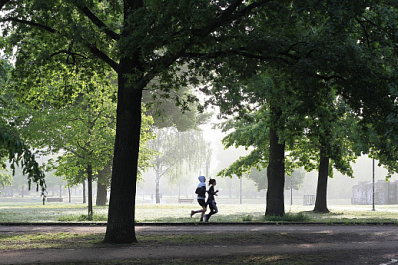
(201, 191)
(210, 200)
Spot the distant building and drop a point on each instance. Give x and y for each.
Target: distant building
(385, 193)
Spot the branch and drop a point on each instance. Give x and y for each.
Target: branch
(67, 52)
(228, 15)
(197, 35)
(76, 153)
(234, 52)
(30, 23)
(101, 25)
(328, 78)
(364, 30)
(94, 50)
(218, 21)
(83, 148)
(3, 3)
(103, 57)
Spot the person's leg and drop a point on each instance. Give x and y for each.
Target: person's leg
(203, 213)
(213, 210)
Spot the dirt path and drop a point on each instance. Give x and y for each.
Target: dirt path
(337, 244)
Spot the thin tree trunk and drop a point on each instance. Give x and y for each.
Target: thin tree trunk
(321, 191)
(157, 189)
(84, 191)
(90, 191)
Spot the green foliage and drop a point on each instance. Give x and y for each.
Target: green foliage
(19, 154)
(261, 180)
(247, 218)
(299, 217)
(5, 179)
(329, 88)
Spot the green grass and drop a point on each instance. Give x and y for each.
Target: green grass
(180, 213)
(42, 241)
(48, 240)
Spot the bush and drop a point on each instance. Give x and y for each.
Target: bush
(247, 218)
(300, 217)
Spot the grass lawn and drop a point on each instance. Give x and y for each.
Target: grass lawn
(178, 213)
(42, 241)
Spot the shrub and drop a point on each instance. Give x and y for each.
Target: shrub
(300, 217)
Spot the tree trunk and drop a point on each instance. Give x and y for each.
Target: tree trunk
(84, 191)
(157, 184)
(90, 191)
(321, 191)
(276, 176)
(101, 194)
(102, 185)
(121, 215)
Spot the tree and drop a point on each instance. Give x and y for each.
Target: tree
(5, 178)
(11, 144)
(311, 49)
(83, 132)
(176, 151)
(139, 40)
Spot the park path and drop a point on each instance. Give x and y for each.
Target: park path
(373, 244)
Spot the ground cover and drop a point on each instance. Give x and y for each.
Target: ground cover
(180, 213)
(71, 240)
(279, 246)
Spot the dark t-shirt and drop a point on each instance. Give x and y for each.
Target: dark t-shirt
(201, 192)
(211, 194)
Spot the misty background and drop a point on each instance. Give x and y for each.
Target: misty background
(232, 190)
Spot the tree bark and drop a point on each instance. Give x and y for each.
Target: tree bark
(101, 194)
(276, 176)
(84, 191)
(321, 191)
(102, 185)
(121, 214)
(90, 191)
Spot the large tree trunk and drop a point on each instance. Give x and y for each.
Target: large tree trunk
(276, 176)
(321, 191)
(90, 191)
(121, 214)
